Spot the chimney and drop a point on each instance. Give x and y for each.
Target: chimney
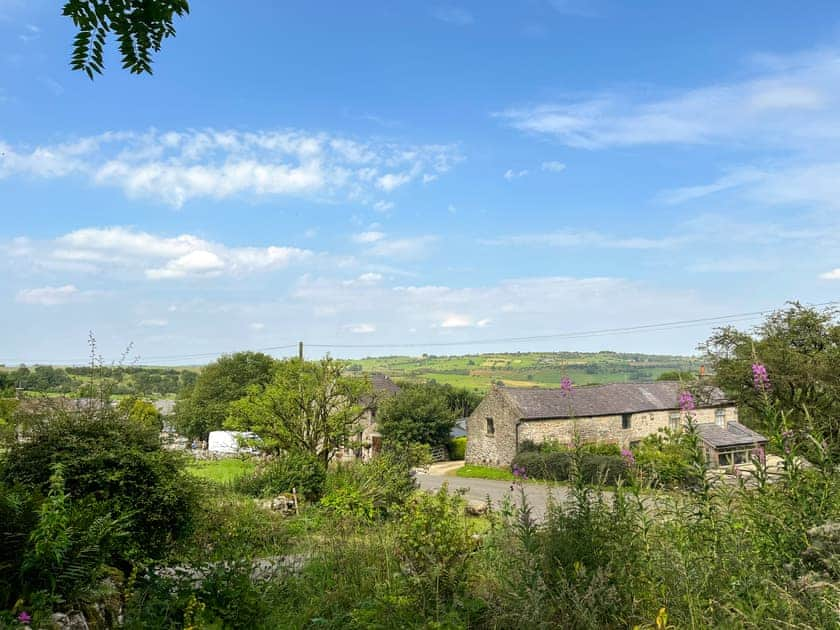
(702, 371)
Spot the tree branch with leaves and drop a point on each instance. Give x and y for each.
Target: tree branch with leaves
(140, 27)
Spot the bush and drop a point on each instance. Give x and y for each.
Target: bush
(115, 464)
(433, 540)
(665, 459)
(557, 466)
(373, 489)
(300, 471)
(457, 448)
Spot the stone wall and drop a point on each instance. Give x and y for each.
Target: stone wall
(608, 428)
(498, 449)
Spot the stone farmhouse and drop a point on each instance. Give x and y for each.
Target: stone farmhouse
(619, 413)
(368, 440)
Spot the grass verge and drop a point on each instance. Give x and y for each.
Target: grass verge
(484, 472)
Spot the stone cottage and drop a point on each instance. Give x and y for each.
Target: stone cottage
(619, 413)
(368, 441)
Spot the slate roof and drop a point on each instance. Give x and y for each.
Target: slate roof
(602, 400)
(382, 384)
(734, 434)
(459, 429)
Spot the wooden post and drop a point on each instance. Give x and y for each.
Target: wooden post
(300, 350)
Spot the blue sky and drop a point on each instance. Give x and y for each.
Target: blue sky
(417, 173)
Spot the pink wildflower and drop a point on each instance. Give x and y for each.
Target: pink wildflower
(24, 618)
(760, 379)
(566, 386)
(686, 401)
(628, 456)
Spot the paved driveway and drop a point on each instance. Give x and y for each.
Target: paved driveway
(479, 489)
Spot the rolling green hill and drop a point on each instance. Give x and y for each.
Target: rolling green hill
(528, 369)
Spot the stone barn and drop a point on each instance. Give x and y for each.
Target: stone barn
(619, 413)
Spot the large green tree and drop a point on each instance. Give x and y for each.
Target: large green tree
(204, 406)
(799, 347)
(419, 413)
(309, 406)
(140, 26)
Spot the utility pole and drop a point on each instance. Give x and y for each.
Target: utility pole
(300, 351)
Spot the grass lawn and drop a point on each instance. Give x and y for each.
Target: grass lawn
(222, 470)
(484, 472)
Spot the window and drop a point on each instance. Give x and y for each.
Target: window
(733, 458)
(720, 417)
(625, 420)
(674, 420)
(491, 430)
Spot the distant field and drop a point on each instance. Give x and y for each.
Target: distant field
(533, 369)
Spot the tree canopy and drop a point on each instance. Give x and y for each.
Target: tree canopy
(309, 406)
(419, 413)
(204, 406)
(799, 347)
(140, 26)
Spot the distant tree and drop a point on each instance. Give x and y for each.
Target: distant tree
(204, 407)
(141, 411)
(800, 349)
(676, 375)
(140, 27)
(309, 406)
(417, 414)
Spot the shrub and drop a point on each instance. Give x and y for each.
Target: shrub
(114, 463)
(557, 466)
(665, 459)
(300, 471)
(373, 489)
(457, 448)
(433, 540)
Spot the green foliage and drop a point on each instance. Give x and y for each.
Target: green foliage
(300, 471)
(373, 489)
(204, 407)
(557, 465)
(142, 412)
(115, 462)
(434, 542)
(666, 458)
(457, 448)
(677, 375)
(308, 406)
(140, 27)
(800, 348)
(417, 414)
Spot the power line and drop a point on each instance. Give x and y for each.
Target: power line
(656, 327)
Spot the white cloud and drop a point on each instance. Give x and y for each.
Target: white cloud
(368, 237)
(153, 323)
(411, 247)
(570, 238)
(47, 296)
(362, 329)
(383, 206)
(176, 167)
(553, 166)
(523, 306)
(256, 326)
(456, 321)
(510, 174)
(160, 257)
(453, 15)
(834, 274)
(789, 104)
